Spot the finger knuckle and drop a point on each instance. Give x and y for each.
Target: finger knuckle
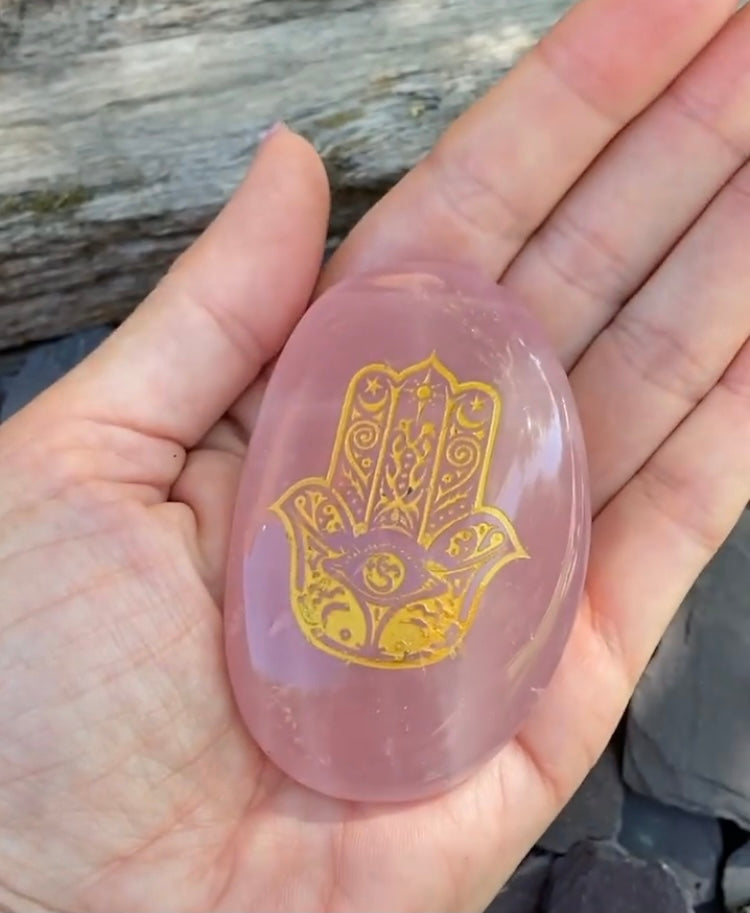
(474, 200)
(660, 355)
(689, 506)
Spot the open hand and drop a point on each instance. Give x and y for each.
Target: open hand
(616, 202)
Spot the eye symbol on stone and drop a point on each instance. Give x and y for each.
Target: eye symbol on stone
(383, 573)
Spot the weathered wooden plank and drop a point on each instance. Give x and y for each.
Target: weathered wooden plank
(124, 124)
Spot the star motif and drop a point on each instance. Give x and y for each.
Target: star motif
(373, 385)
(477, 404)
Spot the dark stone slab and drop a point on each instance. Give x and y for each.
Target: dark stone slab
(736, 881)
(524, 890)
(688, 731)
(43, 365)
(598, 877)
(690, 845)
(594, 812)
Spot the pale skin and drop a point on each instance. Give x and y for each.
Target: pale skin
(616, 201)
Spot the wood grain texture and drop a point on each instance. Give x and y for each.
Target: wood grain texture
(125, 124)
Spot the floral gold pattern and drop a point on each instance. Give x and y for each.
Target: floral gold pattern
(392, 549)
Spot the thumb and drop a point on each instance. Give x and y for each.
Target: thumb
(223, 310)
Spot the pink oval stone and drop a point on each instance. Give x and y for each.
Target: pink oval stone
(410, 539)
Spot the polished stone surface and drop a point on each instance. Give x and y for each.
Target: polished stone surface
(410, 538)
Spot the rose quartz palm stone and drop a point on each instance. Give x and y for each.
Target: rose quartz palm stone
(410, 537)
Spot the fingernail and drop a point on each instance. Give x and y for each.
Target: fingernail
(270, 131)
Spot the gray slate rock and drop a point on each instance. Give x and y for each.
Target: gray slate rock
(594, 812)
(45, 364)
(736, 881)
(525, 888)
(602, 878)
(690, 845)
(688, 731)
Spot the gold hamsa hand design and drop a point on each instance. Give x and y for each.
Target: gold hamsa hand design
(390, 552)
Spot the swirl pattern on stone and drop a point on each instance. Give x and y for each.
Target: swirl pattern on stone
(393, 548)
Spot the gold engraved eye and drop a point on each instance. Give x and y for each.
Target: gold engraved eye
(383, 573)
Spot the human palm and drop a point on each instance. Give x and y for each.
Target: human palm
(126, 778)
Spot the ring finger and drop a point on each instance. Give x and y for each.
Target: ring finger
(669, 345)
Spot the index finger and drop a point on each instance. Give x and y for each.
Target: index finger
(501, 168)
